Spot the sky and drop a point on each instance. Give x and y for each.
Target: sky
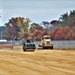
(36, 10)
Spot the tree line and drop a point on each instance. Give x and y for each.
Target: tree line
(61, 29)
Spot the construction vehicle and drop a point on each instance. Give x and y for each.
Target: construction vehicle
(28, 45)
(46, 42)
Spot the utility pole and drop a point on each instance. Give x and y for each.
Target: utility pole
(0, 16)
(0, 23)
(1, 33)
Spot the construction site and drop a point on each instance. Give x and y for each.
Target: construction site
(38, 62)
(37, 37)
(57, 59)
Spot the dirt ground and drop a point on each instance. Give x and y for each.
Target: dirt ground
(39, 62)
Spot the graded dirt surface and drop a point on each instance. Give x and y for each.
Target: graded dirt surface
(39, 62)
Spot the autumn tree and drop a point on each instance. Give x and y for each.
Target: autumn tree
(34, 30)
(55, 23)
(32, 27)
(12, 29)
(46, 24)
(19, 25)
(11, 34)
(67, 30)
(23, 24)
(35, 26)
(25, 35)
(73, 33)
(38, 35)
(59, 35)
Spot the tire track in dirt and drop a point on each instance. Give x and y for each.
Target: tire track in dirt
(37, 63)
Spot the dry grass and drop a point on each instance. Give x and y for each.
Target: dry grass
(40, 62)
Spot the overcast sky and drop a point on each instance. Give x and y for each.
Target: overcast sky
(36, 10)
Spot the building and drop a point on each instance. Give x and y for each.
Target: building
(2, 30)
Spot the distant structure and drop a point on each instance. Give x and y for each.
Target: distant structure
(2, 28)
(2, 31)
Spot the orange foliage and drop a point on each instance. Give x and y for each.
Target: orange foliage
(38, 35)
(70, 35)
(73, 36)
(25, 35)
(67, 29)
(59, 35)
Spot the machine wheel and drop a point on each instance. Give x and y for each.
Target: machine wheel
(51, 47)
(43, 47)
(24, 49)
